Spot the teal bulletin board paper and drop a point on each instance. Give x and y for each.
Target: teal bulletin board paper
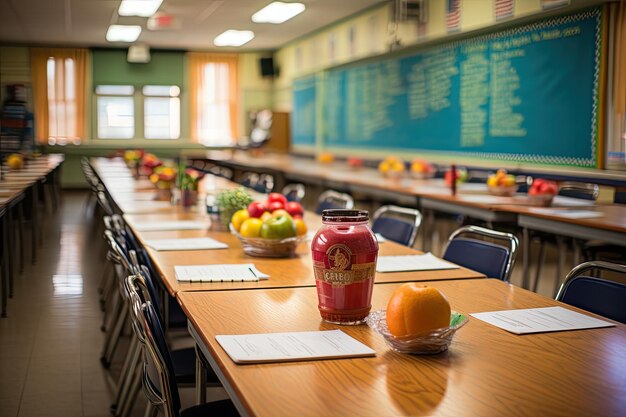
(303, 123)
(526, 94)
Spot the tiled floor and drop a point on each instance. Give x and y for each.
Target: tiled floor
(50, 343)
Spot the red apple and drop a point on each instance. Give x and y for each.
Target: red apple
(275, 205)
(355, 162)
(294, 208)
(276, 197)
(256, 209)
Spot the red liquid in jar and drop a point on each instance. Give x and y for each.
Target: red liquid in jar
(344, 262)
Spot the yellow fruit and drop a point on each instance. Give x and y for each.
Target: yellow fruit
(508, 181)
(239, 217)
(300, 227)
(384, 167)
(15, 161)
(326, 157)
(492, 181)
(265, 216)
(414, 309)
(251, 227)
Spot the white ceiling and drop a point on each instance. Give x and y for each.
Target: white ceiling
(84, 22)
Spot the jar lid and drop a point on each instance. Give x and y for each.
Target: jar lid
(345, 216)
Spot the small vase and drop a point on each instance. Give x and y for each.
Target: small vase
(188, 198)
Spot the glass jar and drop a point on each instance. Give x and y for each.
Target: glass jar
(344, 263)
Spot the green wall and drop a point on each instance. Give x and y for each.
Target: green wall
(110, 66)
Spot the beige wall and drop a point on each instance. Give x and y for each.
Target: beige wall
(374, 35)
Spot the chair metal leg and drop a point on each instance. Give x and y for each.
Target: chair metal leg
(560, 266)
(128, 373)
(200, 378)
(115, 335)
(4, 273)
(133, 392)
(20, 232)
(34, 224)
(525, 258)
(540, 260)
(9, 250)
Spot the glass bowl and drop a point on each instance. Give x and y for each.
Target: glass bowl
(268, 248)
(435, 341)
(503, 190)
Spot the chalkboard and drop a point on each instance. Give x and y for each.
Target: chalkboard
(304, 115)
(526, 94)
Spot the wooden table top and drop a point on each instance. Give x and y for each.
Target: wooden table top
(285, 272)
(613, 217)
(486, 372)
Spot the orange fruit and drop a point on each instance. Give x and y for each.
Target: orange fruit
(239, 217)
(415, 308)
(300, 227)
(251, 227)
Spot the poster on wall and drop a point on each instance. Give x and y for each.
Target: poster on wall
(504, 9)
(453, 15)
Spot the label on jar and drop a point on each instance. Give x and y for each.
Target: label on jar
(339, 269)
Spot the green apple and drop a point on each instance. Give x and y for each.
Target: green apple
(279, 227)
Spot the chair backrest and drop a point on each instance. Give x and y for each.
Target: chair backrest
(492, 259)
(162, 393)
(399, 224)
(599, 296)
(620, 196)
(249, 179)
(105, 204)
(294, 192)
(265, 184)
(579, 190)
(331, 199)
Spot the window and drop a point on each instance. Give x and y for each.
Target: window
(115, 111)
(61, 82)
(214, 123)
(119, 116)
(213, 98)
(161, 111)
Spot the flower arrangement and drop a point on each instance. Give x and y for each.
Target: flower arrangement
(132, 157)
(189, 179)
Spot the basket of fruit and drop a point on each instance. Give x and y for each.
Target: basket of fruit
(421, 169)
(542, 192)
(392, 167)
(271, 228)
(502, 184)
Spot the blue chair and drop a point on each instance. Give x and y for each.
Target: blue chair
(162, 393)
(294, 192)
(331, 199)
(493, 260)
(599, 296)
(265, 184)
(399, 224)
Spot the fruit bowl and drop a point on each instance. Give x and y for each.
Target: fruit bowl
(432, 342)
(502, 190)
(268, 248)
(543, 200)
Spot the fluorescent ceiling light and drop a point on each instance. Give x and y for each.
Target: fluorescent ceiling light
(123, 33)
(143, 8)
(278, 12)
(233, 38)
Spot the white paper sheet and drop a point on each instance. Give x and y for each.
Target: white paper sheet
(405, 263)
(199, 243)
(136, 207)
(125, 197)
(219, 273)
(295, 346)
(170, 225)
(538, 320)
(570, 214)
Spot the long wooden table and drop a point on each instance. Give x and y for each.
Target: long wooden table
(486, 372)
(291, 272)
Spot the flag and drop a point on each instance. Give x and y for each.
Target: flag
(504, 9)
(453, 15)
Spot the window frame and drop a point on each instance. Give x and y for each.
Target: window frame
(139, 117)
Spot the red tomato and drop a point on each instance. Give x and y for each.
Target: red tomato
(256, 209)
(276, 197)
(275, 205)
(294, 208)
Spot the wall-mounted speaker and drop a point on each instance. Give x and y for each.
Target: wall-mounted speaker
(267, 67)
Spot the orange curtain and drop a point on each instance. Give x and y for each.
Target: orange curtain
(197, 62)
(70, 84)
(619, 98)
